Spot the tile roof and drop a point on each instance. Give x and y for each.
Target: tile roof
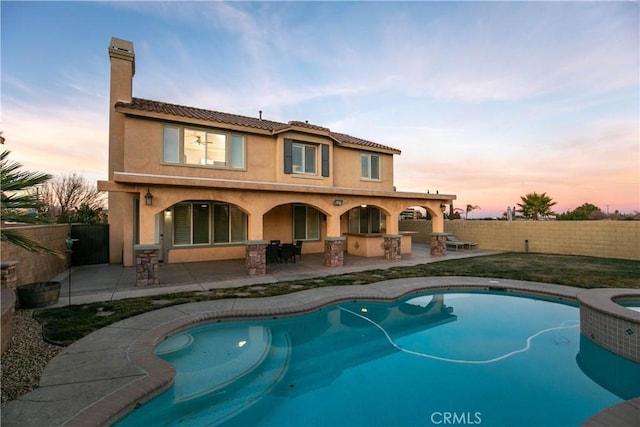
(146, 105)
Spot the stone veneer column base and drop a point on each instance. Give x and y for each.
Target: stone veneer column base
(392, 247)
(256, 257)
(334, 251)
(438, 244)
(8, 274)
(147, 266)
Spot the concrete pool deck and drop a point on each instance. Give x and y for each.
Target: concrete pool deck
(104, 375)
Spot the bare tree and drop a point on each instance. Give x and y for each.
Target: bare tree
(64, 194)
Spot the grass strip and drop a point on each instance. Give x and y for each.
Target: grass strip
(64, 325)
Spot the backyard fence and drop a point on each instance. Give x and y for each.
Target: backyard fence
(606, 239)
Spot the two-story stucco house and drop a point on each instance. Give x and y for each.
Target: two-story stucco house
(188, 184)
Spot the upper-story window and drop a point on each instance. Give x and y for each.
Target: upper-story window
(370, 166)
(302, 158)
(190, 146)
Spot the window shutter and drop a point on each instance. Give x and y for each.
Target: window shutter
(288, 156)
(325, 160)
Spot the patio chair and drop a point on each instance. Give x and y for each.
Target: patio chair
(298, 248)
(453, 241)
(288, 252)
(272, 254)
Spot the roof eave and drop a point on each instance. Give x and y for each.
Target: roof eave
(362, 147)
(189, 120)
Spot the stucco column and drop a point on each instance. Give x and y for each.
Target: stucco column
(438, 244)
(256, 257)
(334, 251)
(392, 246)
(392, 224)
(437, 222)
(147, 224)
(333, 225)
(255, 229)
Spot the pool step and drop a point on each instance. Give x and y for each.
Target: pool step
(245, 392)
(214, 361)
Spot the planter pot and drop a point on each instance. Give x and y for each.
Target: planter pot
(36, 295)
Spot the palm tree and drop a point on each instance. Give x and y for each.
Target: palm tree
(18, 205)
(536, 205)
(469, 209)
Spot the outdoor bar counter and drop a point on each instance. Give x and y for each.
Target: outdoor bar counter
(372, 244)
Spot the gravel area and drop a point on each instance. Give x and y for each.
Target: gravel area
(25, 359)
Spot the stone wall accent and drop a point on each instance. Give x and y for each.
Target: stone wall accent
(8, 278)
(392, 247)
(438, 243)
(334, 251)
(35, 267)
(256, 257)
(605, 239)
(147, 266)
(608, 324)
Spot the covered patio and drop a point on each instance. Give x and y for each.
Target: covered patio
(112, 282)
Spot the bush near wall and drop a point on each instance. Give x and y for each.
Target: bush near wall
(606, 239)
(33, 267)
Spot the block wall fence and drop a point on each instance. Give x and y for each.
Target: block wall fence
(606, 239)
(33, 267)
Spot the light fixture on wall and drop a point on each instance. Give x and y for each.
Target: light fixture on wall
(443, 207)
(148, 198)
(337, 202)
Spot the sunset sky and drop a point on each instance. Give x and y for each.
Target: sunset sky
(487, 100)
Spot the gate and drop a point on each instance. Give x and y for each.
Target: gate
(91, 244)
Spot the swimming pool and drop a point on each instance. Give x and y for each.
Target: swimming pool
(433, 359)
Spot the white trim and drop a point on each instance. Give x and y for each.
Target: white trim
(284, 186)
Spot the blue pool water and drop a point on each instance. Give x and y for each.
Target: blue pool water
(435, 359)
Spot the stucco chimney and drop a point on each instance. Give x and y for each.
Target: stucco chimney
(123, 67)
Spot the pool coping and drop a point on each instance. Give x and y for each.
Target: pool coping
(102, 377)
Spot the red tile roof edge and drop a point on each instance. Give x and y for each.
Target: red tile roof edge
(234, 119)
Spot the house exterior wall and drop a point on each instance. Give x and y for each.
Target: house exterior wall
(263, 190)
(143, 153)
(347, 170)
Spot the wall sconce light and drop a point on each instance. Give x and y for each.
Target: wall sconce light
(337, 202)
(148, 198)
(443, 207)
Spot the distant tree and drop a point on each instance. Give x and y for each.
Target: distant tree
(536, 205)
(65, 194)
(18, 204)
(454, 213)
(469, 209)
(87, 215)
(581, 213)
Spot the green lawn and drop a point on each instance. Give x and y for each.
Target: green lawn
(67, 324)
